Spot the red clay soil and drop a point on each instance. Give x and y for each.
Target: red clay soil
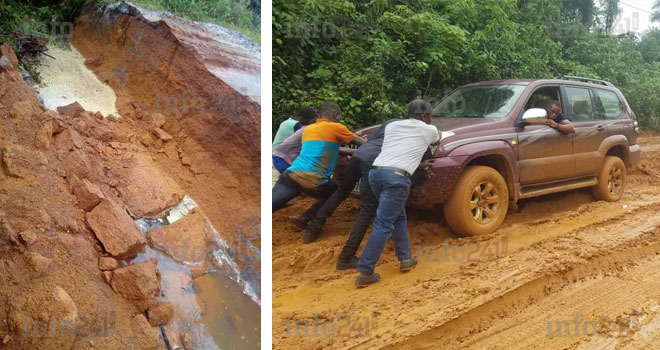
(62, 174)
(214, 154)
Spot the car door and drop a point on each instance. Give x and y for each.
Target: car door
(544, 154)
(590, 129)
(614, 112)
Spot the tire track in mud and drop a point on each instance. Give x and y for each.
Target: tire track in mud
(642, 241)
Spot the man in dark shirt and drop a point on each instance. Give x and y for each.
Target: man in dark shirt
(356, 168)
(556, 119)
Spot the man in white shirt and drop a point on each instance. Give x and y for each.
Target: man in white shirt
(403, 147)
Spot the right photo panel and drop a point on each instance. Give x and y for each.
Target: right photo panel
(465, 174)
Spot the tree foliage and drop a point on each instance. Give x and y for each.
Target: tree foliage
(373, 57)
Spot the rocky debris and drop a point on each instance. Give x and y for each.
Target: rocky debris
(146, 337)
(68, 140)
(70, 109)
(157, 120)
(27, 237)
(161, 313)
(185, 240)
(89, 195)
(44, 136)
(144, 189)
(115, 229)
(38, 263)
(147, 140)
(4, 63)
(20, 162)
(107, 276)
(107, 263)
(162, 134)
(139, 283)
(8, 57)
(64, 305)
(173, 338)
(98, 115)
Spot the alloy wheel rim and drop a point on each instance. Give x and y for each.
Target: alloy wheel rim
(615, 180)
(484, 202)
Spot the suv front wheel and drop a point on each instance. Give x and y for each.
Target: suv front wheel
(478, 203)
(611, 180)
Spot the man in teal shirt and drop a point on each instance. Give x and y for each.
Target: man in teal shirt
(304, 116)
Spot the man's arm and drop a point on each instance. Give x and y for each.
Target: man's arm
(565, 126)
(347, 151)
(358, 141)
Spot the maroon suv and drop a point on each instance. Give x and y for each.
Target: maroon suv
(495, 148)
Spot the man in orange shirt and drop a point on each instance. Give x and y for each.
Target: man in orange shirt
(311, 172)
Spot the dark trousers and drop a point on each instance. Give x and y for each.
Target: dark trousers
(367, 212)
(287, 189)
(351, 177)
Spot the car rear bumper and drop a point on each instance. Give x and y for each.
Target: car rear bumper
(635, 155)
(438, 187)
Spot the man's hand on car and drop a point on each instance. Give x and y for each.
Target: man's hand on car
(553, 124)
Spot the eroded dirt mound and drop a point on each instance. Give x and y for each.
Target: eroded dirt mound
(204, 133)
(563, 256)
(68, 182)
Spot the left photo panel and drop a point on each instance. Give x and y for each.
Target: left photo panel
(130, 174)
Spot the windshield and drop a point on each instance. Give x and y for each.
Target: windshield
(487, 101)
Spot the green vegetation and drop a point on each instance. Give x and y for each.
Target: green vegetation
(233, 14)
(374, 56)
(30, 24)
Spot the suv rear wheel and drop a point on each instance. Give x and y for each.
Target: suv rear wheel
(478, 203)
(611, 180)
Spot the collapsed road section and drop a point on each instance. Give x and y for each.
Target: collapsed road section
(78, 266)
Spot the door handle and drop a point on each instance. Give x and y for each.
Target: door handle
(600, 127)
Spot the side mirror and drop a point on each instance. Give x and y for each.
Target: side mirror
(534, 116)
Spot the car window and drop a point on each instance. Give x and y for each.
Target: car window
(580, 104)
(611, 103)
(542, 95)
(481, 101)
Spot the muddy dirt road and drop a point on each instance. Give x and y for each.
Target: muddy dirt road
(565, 273)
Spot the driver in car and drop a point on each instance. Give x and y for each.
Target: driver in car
(556, 119)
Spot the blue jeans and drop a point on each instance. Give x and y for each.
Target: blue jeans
(391, 190)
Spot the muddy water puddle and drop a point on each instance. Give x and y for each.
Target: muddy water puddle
(214, 306)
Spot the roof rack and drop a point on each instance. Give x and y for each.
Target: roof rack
(586, 80)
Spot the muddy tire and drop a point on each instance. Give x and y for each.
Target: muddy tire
(611, 180)
(479, 202)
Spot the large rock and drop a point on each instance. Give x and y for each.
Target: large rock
(116, 230)
(145, 190)
(145, 336)
(44, 135)
(139, 283)
(161, 313)
(8, 60)
(187, 240)
(20, 162)
(70, 109)
(89, 195)
(107, 263)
